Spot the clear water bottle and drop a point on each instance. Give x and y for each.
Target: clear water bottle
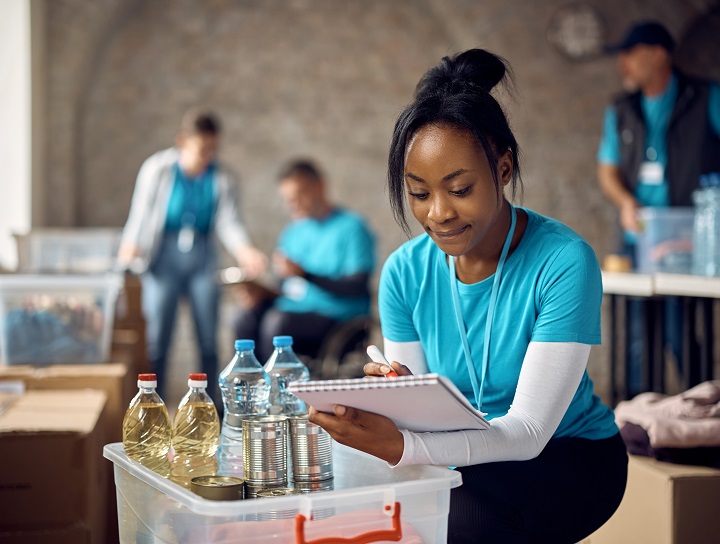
(195, 435)
(706, 228)
(146, 427)
(245, 388)
(284, 366)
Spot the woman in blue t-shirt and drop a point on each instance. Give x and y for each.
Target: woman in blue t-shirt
(504, 302)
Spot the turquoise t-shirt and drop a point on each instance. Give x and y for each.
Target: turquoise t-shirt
(337, 246)
(192, 201)
(551, 291)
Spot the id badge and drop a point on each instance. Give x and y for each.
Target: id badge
(186, 239)
(651, 173)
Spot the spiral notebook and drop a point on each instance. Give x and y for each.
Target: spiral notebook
(426, 402)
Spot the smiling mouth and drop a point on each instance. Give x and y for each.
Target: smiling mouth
(450, 233)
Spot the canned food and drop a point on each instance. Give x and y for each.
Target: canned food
(218, 488)
(265, 451)
(311, 450)
(278, 492)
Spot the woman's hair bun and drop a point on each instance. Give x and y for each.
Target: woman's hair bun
(472, 69)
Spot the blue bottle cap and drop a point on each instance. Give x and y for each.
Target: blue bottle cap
(282, 341)
(242, 345)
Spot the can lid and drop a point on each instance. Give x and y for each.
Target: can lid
(219, 488)
(244, 345)
(282, 341)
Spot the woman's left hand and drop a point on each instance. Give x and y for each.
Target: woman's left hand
(364, 431)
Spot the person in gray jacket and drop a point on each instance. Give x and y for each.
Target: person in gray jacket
(183, 198)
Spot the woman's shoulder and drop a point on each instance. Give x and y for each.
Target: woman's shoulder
(547, 232)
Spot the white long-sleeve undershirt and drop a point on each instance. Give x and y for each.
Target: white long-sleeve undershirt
(549, 377)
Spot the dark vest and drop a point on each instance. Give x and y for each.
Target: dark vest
(693, 145)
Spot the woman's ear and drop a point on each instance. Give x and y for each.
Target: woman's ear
(505, 167)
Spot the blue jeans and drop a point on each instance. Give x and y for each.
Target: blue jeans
(635, 343)
(171, 276)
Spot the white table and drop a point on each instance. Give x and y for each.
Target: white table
(697, 295)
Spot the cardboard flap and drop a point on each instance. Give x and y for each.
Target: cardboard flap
(73, 411)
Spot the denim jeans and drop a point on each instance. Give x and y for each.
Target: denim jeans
(171, 276)
(635, 343)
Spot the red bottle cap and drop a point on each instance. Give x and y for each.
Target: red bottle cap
(147, 377)
(198, 376)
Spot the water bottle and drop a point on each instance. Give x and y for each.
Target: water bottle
(146, 427)
(284, 367)
(706, 228)
(195, 434)
(245, 388)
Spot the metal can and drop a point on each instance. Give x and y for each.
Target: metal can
(265, 451)
(218, 488)
(277, 514)
(311, 450)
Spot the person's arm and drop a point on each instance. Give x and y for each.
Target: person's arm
(549, 379)
(610, 180)
(609, 175)
(230, 229)
(714, 106)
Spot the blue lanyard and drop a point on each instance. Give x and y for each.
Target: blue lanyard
(478, 387)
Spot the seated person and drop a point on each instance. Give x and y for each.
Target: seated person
(324, 260)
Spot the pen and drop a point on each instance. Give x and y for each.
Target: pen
(376, 355)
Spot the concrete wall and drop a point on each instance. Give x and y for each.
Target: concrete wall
(324, 78)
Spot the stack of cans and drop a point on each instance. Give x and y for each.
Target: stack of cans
(264, 453)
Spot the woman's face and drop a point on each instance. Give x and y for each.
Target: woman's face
(451, 191)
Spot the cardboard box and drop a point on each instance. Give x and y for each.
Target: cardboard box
(52, 473)
(665, 503)
(114, 379)
(76, 533)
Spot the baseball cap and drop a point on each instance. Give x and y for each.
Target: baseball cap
(646, 32)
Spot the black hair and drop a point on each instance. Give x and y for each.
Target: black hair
(304, 168)
(456, 92)
(198, 121)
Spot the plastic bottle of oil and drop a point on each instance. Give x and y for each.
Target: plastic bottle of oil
(146, 427)
(195, 435)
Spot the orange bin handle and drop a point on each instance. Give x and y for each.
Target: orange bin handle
(394, 534)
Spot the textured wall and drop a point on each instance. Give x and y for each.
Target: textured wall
(324, 78)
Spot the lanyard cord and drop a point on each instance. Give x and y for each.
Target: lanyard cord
(478, 387)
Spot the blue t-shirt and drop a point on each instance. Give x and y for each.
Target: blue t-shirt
(192, 201)
(334, 247)
(551, 291)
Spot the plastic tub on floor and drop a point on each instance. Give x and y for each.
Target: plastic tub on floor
(367, 498)
(57, 319)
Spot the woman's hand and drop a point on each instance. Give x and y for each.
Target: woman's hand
(364, 431)
(379, 370)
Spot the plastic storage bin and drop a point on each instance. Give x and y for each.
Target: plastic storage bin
(46, 319)
(665, 241)
(368, 498)
(64, 251)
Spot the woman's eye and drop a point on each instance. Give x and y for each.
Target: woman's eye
(461, 192)
(419, 196)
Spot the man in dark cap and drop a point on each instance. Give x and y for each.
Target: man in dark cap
(659, 137)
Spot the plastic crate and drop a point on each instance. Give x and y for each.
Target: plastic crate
(368, 498)
(665, 240)
(64, 251)
(48, 319)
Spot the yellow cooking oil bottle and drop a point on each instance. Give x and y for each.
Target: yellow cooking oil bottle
(195, 434)
(146, 427)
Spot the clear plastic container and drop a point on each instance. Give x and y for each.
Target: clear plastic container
(665, 240)
(284, 366)
(47, 319)
(245, 389)
(146, 428)
(706, 236)
(195, 434)
(367, 496)
(64, 251)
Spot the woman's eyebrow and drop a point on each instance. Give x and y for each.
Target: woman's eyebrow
(448, 177)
